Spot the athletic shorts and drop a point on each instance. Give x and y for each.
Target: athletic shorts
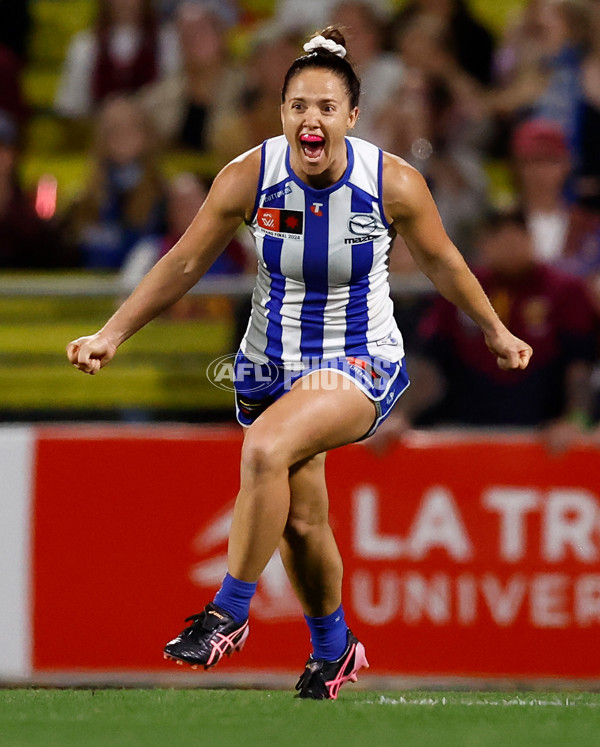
(258, 385)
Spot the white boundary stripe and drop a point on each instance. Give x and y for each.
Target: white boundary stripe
(16, 465)
(446, 700)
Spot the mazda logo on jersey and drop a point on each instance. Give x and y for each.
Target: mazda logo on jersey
(278, 221)
(362, 224)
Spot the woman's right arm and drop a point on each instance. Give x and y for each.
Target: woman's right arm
(229, 202)
(410, 207)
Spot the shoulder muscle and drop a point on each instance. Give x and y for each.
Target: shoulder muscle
(404, 189)
(233, 192)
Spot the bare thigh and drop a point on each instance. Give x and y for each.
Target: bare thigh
(298, 426)
(322, 411)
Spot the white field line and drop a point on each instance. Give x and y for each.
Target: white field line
(443, 700)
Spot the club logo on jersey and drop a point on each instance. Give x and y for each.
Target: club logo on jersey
(362, 224)
(278, 222)
(315, 208)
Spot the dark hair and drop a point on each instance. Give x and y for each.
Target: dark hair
(326, 60)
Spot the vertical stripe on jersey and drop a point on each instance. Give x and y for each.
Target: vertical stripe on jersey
(272, 258)
(315, 273)
(357, 310)
(271, 254)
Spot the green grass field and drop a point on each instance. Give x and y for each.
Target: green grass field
(161, 717)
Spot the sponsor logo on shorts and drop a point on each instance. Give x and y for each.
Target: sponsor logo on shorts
(361, 364)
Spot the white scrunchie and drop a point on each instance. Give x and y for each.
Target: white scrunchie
(320, 42)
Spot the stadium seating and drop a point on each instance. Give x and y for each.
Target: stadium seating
(161, 368)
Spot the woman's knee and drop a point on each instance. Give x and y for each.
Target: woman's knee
(309, 503)
(300, 526)
(263, 450)
(305, 519)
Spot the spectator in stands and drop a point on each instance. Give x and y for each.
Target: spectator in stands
(26, 241)
(469, 42)
(125, 196)
(185, 194)
(303, 17)
(227, 10)
(521, 45)
(549, 307)
(126, 49)
(184, 106)
(548, 84)
(380, 72)
(437, 121)
(564, 234)
(255, 114)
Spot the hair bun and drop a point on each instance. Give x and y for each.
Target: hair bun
(335, 34)
(330, 39)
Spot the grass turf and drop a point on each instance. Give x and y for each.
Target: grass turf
(164, 717)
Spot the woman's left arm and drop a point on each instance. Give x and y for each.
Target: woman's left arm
(410, 208)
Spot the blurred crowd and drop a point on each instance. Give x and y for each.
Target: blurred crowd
(460, 102)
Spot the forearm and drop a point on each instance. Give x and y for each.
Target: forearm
(417, 220)
(455, 281)
(228, 203)
(166, 283)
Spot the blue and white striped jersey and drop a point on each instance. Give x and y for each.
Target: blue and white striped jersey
(322, 288)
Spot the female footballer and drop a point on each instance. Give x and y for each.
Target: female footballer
(323, 209)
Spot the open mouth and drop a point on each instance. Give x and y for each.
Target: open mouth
(312, 145)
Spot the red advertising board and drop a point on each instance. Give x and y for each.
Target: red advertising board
(469, 556)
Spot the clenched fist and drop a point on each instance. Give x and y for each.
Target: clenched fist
(90, 354)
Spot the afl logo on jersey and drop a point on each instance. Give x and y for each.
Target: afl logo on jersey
(279, 222)
(362, 224)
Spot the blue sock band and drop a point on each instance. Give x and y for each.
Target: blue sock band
(328, 635)
(235, 596)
